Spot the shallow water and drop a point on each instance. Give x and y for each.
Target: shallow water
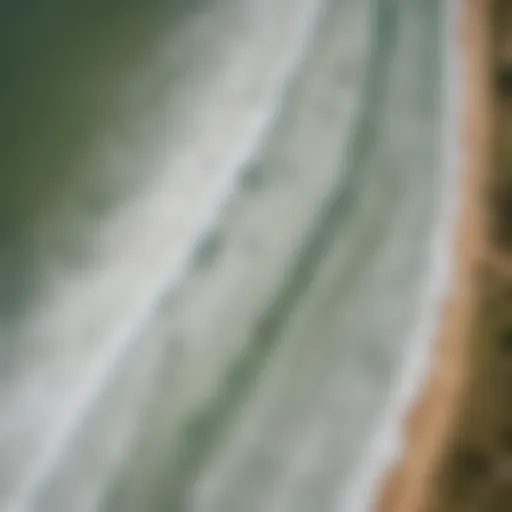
(216, 223)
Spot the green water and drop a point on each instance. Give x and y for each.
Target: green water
(216, 225)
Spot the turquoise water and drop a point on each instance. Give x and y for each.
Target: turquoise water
(216, 230)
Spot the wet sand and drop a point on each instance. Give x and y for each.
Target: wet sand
(459, 435)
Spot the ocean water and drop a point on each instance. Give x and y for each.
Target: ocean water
(217, 229)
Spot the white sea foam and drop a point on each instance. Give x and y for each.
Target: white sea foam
(107, 360)
(387, 444)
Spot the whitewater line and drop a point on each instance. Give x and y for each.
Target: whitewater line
(387, 444)
(109, 360)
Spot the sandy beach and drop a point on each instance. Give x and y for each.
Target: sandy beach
(417, 482)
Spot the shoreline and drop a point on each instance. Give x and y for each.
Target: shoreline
(411, 482)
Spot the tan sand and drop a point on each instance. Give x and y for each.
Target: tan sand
(415, 485)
